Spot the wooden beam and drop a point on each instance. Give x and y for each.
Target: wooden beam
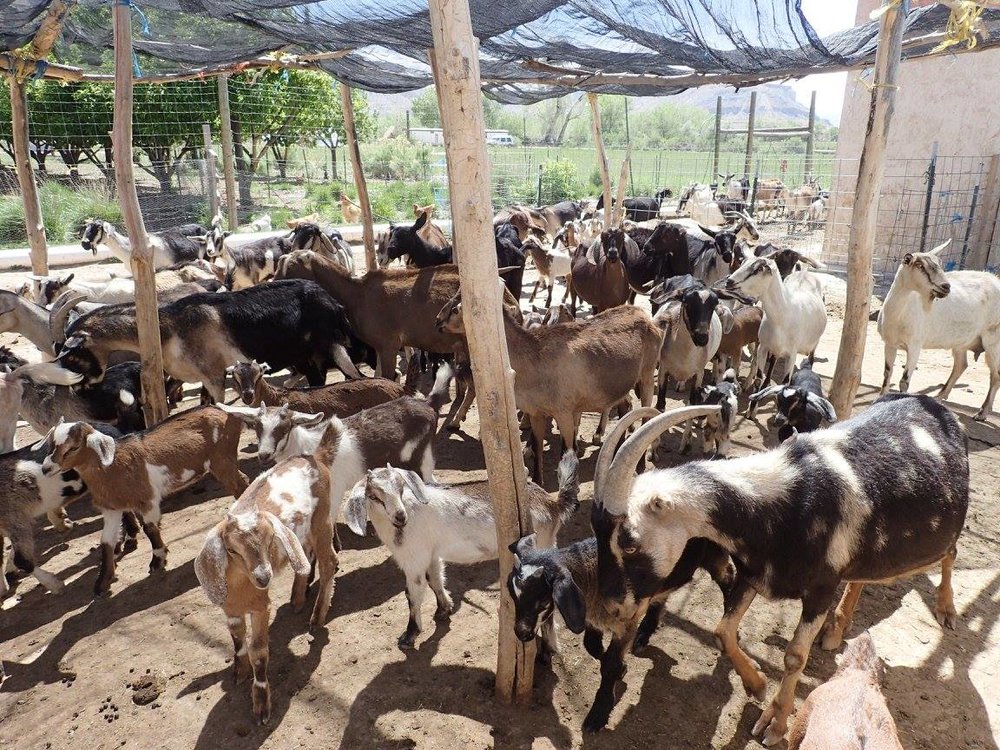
(619, 212)
(49, 30)
(861, 243)
(350, 129)
(33, 223)
(718, 136)
(154, 399)
(455, 62)
(211, 173)
(602, 157)
(228, 155)
(986, 224)
(810, 138)
(750, 121)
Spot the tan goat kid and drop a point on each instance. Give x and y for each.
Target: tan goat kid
(138, 471)
(283, 517)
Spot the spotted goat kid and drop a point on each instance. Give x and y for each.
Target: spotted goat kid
(874, 498)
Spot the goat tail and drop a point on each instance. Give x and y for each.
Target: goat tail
(569, 484)
(48, 372)
(414, 369)
(442, 382)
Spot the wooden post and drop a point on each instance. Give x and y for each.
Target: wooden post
(619, 212)
(228, 159)
(26, 179)
(750, 120)
(211, 177)
(367, 232)
(602, 157)
(718, 137)
(861, 243)
(154, 399)
(988, 215)
(455, 62)
(810, 139)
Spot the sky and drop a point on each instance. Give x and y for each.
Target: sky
(826, 16)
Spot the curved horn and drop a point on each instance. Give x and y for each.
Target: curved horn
(610, 444)
(618, 479)
(60, 312)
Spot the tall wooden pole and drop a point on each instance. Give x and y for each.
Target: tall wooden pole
(750, 121)
(228, 159)
(861, 243)
(367, 232)
(718, 137)
(811, 138)
(26, 179)
(455, 61)
(602, 157)
(154, 399)
(211, 173)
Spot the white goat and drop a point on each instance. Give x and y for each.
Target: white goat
(927, 308)
(426, 525)
(794, 311)
(702, 205)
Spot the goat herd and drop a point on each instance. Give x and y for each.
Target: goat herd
(876, 497)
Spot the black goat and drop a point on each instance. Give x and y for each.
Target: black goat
(801, 405)
(641, 208)
(291, 323)
(510, 254)
(405, 241)
(664, 254)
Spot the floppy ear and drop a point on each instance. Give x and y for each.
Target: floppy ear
(569, 599)
(662, 297)
(246, 414)
(415, 484)
(829, 413)
(307, 420)
(523, 546)
(726, 318)
(592, 251)
(356, 512)
(103, 446)
(724, 293)
(816, 264)
(767, 393)
(210, 567)
(293, 548)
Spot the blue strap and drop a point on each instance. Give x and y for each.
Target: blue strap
(143, 29)
(40, 67)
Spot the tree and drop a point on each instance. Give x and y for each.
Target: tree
(73, 119)
(425, 109)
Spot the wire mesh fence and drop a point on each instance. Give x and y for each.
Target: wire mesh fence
(290, 161)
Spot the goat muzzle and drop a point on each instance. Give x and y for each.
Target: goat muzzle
(524, 632)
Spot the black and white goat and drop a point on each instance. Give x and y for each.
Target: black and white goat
(801, 404)
(877, 497)
(169, 247)
(641, 208)
(256, 261)
(290, 323)
(717, 429)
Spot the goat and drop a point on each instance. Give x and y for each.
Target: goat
(407, 241)
(290, 505)
(717, 428)
(255, 262)
(817, 213)
(168, 248)
(641, 208)
(388, 308)
(18, 315)
(551, 264)
(664, 255)
(543, 580)
(338, 399)
(848, 711)
(744, 333)
(510, 257)
(598, 273)
(801, 404)
(579, 366)
(524, 222)
(702, 205)
(794, 311)
(927, 308)
(290, 323)
(797, 208)
(350, 210)
(138, 471)
(876, 497)
(786, 259)
(328, 242)
(770, 196)
(426, 525)
(12, 388)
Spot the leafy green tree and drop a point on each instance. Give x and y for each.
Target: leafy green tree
(425, 109)
(73, 119)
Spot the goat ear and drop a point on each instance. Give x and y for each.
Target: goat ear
(592, 251)
(103, 446)
(415, 484)
(210, 567)
(265, 368)
(307, 420)
(246, 414)
(356, 512)
(569, 599)
(829, 413)
(291, 544)
(726, 318)
(810, 261)
(767, 393)
(523, 546)
(907, 259)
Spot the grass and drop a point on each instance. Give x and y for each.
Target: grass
(65, 211)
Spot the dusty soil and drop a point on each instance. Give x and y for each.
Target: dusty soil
(78, 669)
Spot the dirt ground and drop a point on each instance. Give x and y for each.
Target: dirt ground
(72, 662)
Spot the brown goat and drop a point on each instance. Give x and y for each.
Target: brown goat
(138, 471)
(848, 711)
(598, 276)
(744, 333)
(338, 399)
(388, 308)
(575, 367)
(290, 505)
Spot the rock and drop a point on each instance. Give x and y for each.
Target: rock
(148, 688)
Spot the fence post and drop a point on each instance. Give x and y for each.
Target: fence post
(211, 179)
(750, 121)
(988, 215)
(602, 157)
(33, 223)
(810, 139)
(718, 136)
(538, 201)
(367, 232)
(408, 127)
(228, 155)
(931, 174)
(968, 224)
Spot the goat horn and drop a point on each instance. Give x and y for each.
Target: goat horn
(60, 312)
(607, 452)
(617, 481)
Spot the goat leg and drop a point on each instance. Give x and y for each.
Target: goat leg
(648, 625)
(612, 671)
(151, 527)
(328, 563)
(241, 661)
(130, 531)
(593, 641)
(944, 607)
(435, 577)
(59, 520)
(415, 590)
(840, 621)
(261, 690)
(109, 538)
(727, 632)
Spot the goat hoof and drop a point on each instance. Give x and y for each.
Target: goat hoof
(946, 616)
(980, 416)
(756, 686)
(405, 641)
(443, 614)
(832, 640)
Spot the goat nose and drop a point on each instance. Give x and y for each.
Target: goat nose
(400, 517)
(946, 287)
(262, 575)
(524, 632)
